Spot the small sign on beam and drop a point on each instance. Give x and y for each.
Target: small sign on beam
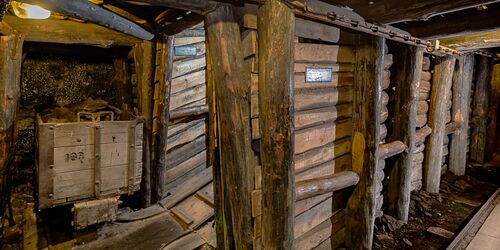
(185, 51)
(314, 74)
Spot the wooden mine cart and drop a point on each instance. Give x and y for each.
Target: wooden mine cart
(87, 160)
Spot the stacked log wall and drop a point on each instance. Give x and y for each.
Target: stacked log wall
(384, 120)
(422, 128)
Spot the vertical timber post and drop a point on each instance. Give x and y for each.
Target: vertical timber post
(492, 127)
(10, 87)
(407, 81)
(480, 109)
(232, 97)
(223, 230)
(276, 24)
(123, 86)
(368, 77)
(462, 83)
(441, 89)
(159, 170)
(144, 64)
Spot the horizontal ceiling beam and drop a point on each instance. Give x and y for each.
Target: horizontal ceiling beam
(395, 11)
(197, 6)
(473, 41)
(68, 32)
(456, 24)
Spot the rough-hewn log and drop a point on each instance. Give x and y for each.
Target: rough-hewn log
(480, 109)
(368, 77)
(232, 93)
(441, 89)
(407, 80)
(462, 84)
(390, 149)
(197, 6)
(160, 167)
(63, 31)
(492, 127)
(421, 134)
(223, 226)
(10, 88)
(144, 62)
(481, 40)
(183, 24)
(459, 23)
(327, 184)
(393, 11)
(276, 45)
(85, 10)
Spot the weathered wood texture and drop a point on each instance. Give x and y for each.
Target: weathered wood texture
(462, 81)
(10, 88)
(85, 10)
(481, 40)
(232, 92)
(407, 81)
(368, 76)
(63, 31)
(480, 109)
(421, 123)
(392, 11)
(121, 81)
(327, 184)
(441, 89)
(166, 58)
(276, 43)
(492, 127)
(144, 61)
(468, 21)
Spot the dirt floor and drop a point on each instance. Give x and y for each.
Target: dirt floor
(435, 219)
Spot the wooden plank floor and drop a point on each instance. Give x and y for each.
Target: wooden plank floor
(488, 236)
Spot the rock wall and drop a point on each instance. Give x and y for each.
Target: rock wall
(48, 80)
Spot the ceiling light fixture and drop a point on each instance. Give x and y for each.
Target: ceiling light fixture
(29, 11)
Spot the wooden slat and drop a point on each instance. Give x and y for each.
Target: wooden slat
(317, 31)
(310, 52)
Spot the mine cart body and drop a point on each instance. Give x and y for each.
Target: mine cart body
(81, 161)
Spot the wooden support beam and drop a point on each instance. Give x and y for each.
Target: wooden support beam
(10, 88)
(144, 61)
(63, 31)
(390, 149)
(453, 24)
(394, 11)
(85, 10)
(407, 82)
(476, 41)
(160, 167)
(276, 24)
(441, 89)
(123, 87)
(367, 89)
(462, 84)
(223, 226)
(480, 109)
(494, 99)
(232, 93)
(326, 184)
(201, 7)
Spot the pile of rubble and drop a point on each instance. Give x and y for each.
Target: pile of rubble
(71, 112)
